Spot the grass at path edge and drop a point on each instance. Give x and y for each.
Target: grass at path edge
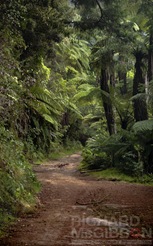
(113, 174)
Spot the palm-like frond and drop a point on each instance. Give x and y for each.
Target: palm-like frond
(46, 96)
(75, 53)
(143, 126)
(68, 104)
(110, 145)
(92, 118)
(45, 104)
(87, 94)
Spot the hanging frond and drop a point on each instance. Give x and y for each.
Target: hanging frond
(109, 145)
(74, 52)
(87, 94)
(67, 104)
(143, 126)
(51, 120)
(44, 102)
(91, 118)
(45, 96)
(141, 96)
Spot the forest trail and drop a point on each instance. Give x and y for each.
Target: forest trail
(74, 210)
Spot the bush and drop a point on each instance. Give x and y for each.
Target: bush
(95, 161)
(18, 184)
(129, 164)
(121, 150)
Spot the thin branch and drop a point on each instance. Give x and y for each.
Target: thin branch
(93, 202)
(101, 10)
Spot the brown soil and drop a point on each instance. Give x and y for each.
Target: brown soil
(68, 198)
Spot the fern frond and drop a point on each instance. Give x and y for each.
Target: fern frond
(91, 118)
(143, 126)
(43, 111)
(45, 96)
(51, 120)
(87, 94)
(139, 96)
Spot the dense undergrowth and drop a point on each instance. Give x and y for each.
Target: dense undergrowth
(114, 174)
(128, 151)
(121, 157)
(18, 184)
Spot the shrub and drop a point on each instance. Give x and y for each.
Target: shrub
(18, 184)
(96, 161)
(121, 150)
(128, 163)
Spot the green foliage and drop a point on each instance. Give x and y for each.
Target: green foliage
(71, 65)
(113, 174)
(45, 103)
(120, 150)
(131, 147)
(87, 93)
(18, 184)
(69, 148)
(30, 113)
(141, 127)
(144, 134)
(128, 163)
(92, 161)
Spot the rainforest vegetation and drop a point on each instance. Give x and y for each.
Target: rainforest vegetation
(71, 73)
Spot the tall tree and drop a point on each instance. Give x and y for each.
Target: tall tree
(145, 11)
(104, 80)
(140, 106)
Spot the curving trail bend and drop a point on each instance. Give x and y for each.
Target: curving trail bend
(75, 209)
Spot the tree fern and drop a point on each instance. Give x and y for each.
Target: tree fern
(143, 127)
(45, 104)
(87, 93)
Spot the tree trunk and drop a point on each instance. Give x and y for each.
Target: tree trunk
(112, 80)
(122, 75)
(113, 84)
(150, 60)
(139, 104)
(107, 104)
(123, 80)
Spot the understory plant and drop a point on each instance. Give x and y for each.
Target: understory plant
(18, 184)
(129, 151)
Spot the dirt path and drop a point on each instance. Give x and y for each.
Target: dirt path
(78, 210)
